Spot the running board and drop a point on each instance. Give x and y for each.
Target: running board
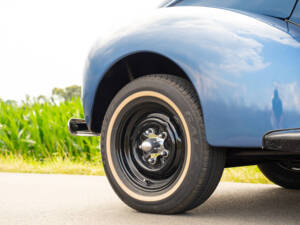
(78, 127)
(286, 140)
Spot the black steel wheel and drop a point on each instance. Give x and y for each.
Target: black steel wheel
(149, 145)
(285, 174)
(154, 149)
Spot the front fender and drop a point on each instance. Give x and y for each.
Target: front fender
(235, 61)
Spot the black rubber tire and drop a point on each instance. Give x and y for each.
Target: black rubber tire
(280, 175)
(205, 166)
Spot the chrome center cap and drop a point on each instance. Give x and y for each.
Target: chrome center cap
(146, 146)
(153, 145)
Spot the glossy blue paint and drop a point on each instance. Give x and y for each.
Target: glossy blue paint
(296, 15)
(276, 8)
(245, 68)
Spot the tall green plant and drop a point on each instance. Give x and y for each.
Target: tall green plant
(39, 130)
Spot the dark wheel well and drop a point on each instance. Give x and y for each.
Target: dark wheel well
(124, 71)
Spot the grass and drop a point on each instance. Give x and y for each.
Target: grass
(17, 164)
(250, 174)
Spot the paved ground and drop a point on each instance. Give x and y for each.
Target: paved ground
(68, 200)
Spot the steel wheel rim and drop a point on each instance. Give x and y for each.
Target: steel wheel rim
(158, 116)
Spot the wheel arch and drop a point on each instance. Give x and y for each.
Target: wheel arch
(125, 70)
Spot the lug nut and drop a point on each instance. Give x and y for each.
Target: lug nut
(151, 161)
(163, 135)
(164, 153)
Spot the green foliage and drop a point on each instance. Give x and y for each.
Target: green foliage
(247, 174)
(39, 131)
(67, 93)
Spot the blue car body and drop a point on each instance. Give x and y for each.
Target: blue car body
(242, 58)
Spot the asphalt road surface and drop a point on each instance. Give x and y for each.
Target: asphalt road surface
(34, 199)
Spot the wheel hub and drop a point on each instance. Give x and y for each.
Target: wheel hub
(153, 147)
